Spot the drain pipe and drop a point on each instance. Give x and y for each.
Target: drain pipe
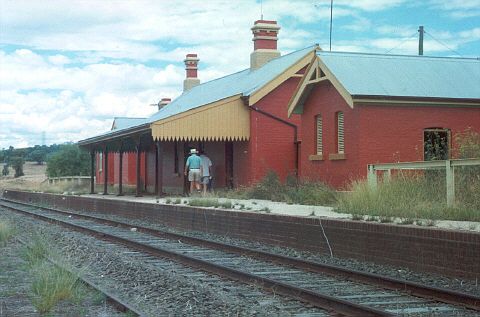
(245, 100)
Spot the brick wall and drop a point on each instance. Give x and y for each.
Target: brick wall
(324, 100)
(271, 145)
(373, 134)
(397, 132)
(446, 252)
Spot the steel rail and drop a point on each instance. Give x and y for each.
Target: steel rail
(439, 294)
(119, 304)
(315, 299)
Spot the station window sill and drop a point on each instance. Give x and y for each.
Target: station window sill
(316, 157)
(337, 156)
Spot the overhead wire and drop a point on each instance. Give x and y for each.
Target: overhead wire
(403, 42)
(443, 44)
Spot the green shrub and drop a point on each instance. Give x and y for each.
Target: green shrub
(17, 164)
(70, 160)
(292, 192)
(226, 204)
(269, 188)
(204, 202)
(5, 170)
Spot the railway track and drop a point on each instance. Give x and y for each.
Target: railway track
(112, 299)
(335, 289)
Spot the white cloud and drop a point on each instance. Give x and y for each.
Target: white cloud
(458, 9)
(69, 67)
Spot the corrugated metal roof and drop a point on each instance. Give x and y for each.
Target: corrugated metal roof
(244, 82)
(405, 76)
(120, 123)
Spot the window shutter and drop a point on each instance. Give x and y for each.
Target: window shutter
(319, 135)
(340, 133)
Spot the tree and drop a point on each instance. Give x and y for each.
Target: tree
(17, 164)
(5, 170)
(70, 160)
(38, 156)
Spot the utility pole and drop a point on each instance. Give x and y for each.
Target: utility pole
(331, 19)
(420, 40)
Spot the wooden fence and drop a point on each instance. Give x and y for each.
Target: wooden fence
(80, 180)
(448, 165)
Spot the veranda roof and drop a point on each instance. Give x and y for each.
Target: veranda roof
(215, 110)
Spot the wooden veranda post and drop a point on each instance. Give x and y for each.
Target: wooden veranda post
(120, 172)
(105, 171)
(138, 148)
(158, 169)
(92, 172)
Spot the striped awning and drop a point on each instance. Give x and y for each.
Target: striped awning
(224, 120)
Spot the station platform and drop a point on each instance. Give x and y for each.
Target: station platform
(278, 208)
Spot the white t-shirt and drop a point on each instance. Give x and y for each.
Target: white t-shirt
(206, 163)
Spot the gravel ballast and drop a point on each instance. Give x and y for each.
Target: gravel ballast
(158, 287)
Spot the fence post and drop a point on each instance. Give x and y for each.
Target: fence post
(387, 175)
(372, 177)
(450, 174)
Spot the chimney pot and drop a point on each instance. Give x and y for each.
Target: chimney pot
(191, 66)
(264, 43)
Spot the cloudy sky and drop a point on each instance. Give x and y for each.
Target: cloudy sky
(68, 67)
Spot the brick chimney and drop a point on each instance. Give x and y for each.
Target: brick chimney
(191, 66)
(163, 102)
(264, 43)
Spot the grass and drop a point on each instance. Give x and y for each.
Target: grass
(414, 197)
(290, 192)
(51, 283)
(6, 232)
(37, 251)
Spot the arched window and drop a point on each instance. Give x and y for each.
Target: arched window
(340, 133)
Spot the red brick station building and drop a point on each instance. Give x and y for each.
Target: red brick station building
(314, 114)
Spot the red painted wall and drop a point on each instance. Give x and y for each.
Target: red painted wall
(271, 145)
(395, 133)
(242, 163)
(324, 100)
(373, 134)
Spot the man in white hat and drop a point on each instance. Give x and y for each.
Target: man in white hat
(192, 169)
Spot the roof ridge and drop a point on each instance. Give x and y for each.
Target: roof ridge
(249, 69)
(398, 55)
(129, 117)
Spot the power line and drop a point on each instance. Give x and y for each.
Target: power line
(443, 44)
(403, 42)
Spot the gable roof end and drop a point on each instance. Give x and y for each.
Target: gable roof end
(377, 77)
